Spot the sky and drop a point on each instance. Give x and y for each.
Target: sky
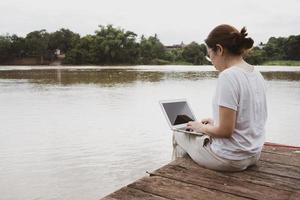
(174, 21)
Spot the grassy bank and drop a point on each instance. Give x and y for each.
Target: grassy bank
(167, 62)
(283, 62)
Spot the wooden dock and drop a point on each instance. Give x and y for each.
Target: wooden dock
(276, 176)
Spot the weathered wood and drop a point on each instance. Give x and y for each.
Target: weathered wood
(277, 169)
(276, 176)
(179, 190)
(133, 194)
(262, 178)
(262, 166)
(280, 159)
(295, 196)
(282, 150)
(270, 180)
(223, 182)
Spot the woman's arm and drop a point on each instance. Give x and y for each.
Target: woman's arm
(224, 129)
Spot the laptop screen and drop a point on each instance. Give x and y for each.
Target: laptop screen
(178, 112)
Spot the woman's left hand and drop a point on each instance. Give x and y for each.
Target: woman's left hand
(196, 126)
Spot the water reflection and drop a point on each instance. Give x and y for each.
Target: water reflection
(288, 75)
(112, 77)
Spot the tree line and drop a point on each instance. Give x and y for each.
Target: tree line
(115, 46)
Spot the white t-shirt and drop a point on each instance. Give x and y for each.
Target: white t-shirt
(244, 92)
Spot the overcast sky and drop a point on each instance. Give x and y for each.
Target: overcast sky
(173, 20)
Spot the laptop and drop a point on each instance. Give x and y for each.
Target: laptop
(178, 113)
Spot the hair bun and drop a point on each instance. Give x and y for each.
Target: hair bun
(248, 43)
(243, 32)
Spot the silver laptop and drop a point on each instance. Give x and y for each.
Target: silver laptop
(178, 113)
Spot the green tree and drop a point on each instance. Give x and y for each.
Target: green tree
(150, 49)
(114, 46)
(110, 45)
(37, 44)
(5, 48)
(292, 47)
(18, 46)
(256, 56)
(63, 39)
(11, 47)
(81, 53)
(274, 48)
(194, 53)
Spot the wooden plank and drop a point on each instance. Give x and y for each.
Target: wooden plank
(262, 166)
(261, 178)
(277, 169)
(270, 180)
(222, 182)
(276, 176)
(133, 194)
(280, 159)
(173, 189)
(282, 150)
(295, 196)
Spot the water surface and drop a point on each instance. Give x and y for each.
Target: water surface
(83, 132)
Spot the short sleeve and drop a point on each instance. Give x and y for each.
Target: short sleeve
(227, 92)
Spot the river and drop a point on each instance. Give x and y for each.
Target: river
(83, 132)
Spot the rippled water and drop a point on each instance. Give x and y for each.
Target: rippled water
(83, 132)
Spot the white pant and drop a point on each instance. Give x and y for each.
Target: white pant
(198, 148)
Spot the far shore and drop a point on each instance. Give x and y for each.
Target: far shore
(288, 63)
(282, 63)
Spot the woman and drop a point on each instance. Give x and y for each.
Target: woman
(237, 133)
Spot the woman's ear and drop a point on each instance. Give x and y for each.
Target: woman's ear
(220, 50)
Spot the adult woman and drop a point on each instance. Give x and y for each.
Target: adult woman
(237, 133)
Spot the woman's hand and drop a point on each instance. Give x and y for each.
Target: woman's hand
(199, 126)
(224, 129)
(196, 126)
(207, 121)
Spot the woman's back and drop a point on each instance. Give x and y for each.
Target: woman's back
(244, 92)
(239, 107)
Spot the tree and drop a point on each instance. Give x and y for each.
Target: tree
(18, 46)
(194, 53)
(274, 49)
(11, 47)
(63, 39)
(37, 44)
(292, 48)
(5, 48)
(151, 48)
(114, 46)
(256, 56)
(81, 53)
(111, 45)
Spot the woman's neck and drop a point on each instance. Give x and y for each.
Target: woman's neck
(240, 63)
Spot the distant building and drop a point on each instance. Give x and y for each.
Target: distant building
(57, 52)
(176, 46)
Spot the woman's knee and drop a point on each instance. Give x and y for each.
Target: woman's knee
(182, 139)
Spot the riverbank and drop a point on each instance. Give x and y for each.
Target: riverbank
(282, 63)
(288, 63)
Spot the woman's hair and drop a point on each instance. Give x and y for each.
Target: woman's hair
(229, 38)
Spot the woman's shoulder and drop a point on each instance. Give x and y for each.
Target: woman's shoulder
(238, 72)
(229, 73)
(234, 75)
